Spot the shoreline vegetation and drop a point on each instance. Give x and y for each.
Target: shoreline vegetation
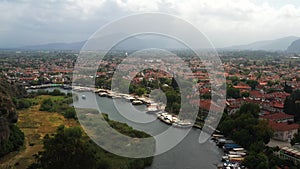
(165, 113)
(46, 118)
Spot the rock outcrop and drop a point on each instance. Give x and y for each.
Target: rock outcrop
(8, 114)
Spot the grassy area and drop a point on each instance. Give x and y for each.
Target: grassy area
(35, 124)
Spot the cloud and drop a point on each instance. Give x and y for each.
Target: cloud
(225, 22)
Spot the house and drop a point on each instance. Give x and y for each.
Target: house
(278, 106)
(245, 88)
(284, 131)
(278, 117)
(256, 94)
(242, 86)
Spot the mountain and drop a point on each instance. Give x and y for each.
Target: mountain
(55, 46)
(268, 45)
(294, 47)
(154, 41)
(132, 43)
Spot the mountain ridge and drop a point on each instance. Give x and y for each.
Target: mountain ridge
(280, 44)
(294, 47)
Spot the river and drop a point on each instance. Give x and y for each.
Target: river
(188, 154)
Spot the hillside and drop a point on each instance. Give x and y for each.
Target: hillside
(294, 47)
(268, 45)
(131, 43)
(8, 113)
(8, 116)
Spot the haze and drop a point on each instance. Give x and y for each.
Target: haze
(224, 22)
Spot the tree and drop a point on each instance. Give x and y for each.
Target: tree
(140, 91)
(47, 105)
(70, 113)
(56, 92)
(252, 83)
(233, 93)
(287, 88)
(14, 142)
(173, 101)
(257, 161)
(66, 150)
(245, 128)
(23, 104)
(234, 79)
(250, 108)
(245, 94)
(292, 104)
(174, 83)
(296, 139)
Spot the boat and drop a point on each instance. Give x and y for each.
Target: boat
(238, 149)
(102, 94)
(152, 109)
(182, 124)
(166, 118)
(100, 90)
(83, 97)
(220, 142)
(237, 153)
(115, 96)
(215, 137)
(128, 98)
(232, 146)
(137, 102)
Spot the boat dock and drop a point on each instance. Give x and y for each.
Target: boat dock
(234, 154)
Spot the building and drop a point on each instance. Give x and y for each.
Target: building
(278, 117)
(290, 153)
(283, 131)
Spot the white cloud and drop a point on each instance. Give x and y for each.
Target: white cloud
(225, 22)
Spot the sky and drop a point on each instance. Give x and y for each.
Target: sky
(224, 22)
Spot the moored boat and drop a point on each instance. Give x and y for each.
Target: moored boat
(137, 102)
(152, 109)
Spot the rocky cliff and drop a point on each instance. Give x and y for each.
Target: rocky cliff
(8, 114)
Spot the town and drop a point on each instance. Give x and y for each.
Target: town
(268, 80)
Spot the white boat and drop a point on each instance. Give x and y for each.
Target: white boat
(153, 108)
(182, 124)
(137, 102)
(233, 156)
(237, 153)
(115, 96)
(102, 94)
(129, 98)
(238, 149)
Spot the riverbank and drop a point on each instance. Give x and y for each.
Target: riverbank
(152, 107)
(36, 124)
(187, 154)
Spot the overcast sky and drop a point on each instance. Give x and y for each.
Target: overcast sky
(224, 22)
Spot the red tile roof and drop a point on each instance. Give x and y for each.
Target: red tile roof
(256, 94)
(283, 126)
(279, 105)
(207, 105)
(242, 87)
(277, 116)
